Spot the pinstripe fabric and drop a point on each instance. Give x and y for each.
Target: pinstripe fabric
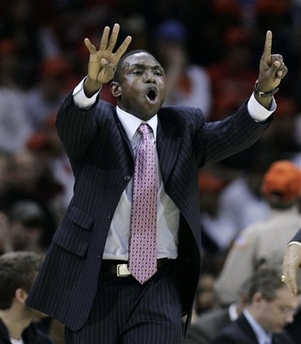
(297, 237)
(102, 161)
(148, 313)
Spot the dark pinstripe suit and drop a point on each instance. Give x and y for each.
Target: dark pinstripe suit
(103, 163)
(297, 237)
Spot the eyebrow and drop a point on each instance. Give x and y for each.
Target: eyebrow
(143, 66)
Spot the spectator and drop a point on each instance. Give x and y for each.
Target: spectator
(208, 324)
(45, 98)
(211, 186)
(29, 179)
(245, 185)
(48, 149)
(24, 227)
(205, 294)
(17, 273)
(231, 73)
(270, 307)
(264, 241)
(14, 126)
(34, 40)
(187, 83)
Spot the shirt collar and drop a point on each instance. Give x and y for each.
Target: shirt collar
(261, 334)
(131, 123)
(233, 311)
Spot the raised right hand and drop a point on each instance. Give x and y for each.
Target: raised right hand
(103, 62)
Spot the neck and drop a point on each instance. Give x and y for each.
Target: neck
(14, 322)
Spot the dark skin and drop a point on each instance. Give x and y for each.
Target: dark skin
(141, 73)
(141, 89)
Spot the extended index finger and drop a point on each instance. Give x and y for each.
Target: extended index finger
(267, 50)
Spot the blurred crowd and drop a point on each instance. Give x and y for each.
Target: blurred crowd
(210, 50)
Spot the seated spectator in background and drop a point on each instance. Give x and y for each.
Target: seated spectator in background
(264, 241)
(209, 323)
(241, 201)
(48, 148)
(271, 306)
(205, 294)
(186, 83)
(17, 273)
(24, 228)
(231, 73)
(14, 126)
(216, 230)
(46, 96)
(29, 179)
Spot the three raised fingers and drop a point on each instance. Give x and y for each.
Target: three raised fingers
(108, 41)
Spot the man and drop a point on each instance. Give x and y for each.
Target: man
(264, 241)
(17, 272)
(292, 262)
(102, 292)
(211, 322)
(270, 307)
(25, 227)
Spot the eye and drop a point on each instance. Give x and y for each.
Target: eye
(158, 73)
(137, 72)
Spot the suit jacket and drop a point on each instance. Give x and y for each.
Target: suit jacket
(103, 163)
(207, 326)
(241, 332)
(297, 237)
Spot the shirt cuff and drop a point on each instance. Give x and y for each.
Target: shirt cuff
(294, 243)
(79, 97)
(258, 112)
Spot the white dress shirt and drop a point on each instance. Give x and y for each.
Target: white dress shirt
(262, 336)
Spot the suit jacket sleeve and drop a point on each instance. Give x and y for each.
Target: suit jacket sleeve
(297, 237)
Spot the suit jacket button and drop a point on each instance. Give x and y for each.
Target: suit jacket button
(127, 177)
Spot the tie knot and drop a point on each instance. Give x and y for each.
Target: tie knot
(144, 129)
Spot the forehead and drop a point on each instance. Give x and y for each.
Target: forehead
(285, 297)
(141, 58)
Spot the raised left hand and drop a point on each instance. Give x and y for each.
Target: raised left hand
(291, 263)
(271, 68)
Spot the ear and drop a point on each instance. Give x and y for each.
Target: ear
(115, 89)
(257, 298)
(21, 295)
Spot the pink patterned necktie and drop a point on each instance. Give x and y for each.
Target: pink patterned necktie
(143, 247)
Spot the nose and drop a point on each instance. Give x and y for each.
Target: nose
(149, 76)
(289, 318)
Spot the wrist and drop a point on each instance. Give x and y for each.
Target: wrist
(91, 87)
(264, 94)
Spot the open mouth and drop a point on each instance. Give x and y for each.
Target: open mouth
(152, 95)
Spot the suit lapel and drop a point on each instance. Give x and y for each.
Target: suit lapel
(247, 328)
(168, 144)
(123, 134)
